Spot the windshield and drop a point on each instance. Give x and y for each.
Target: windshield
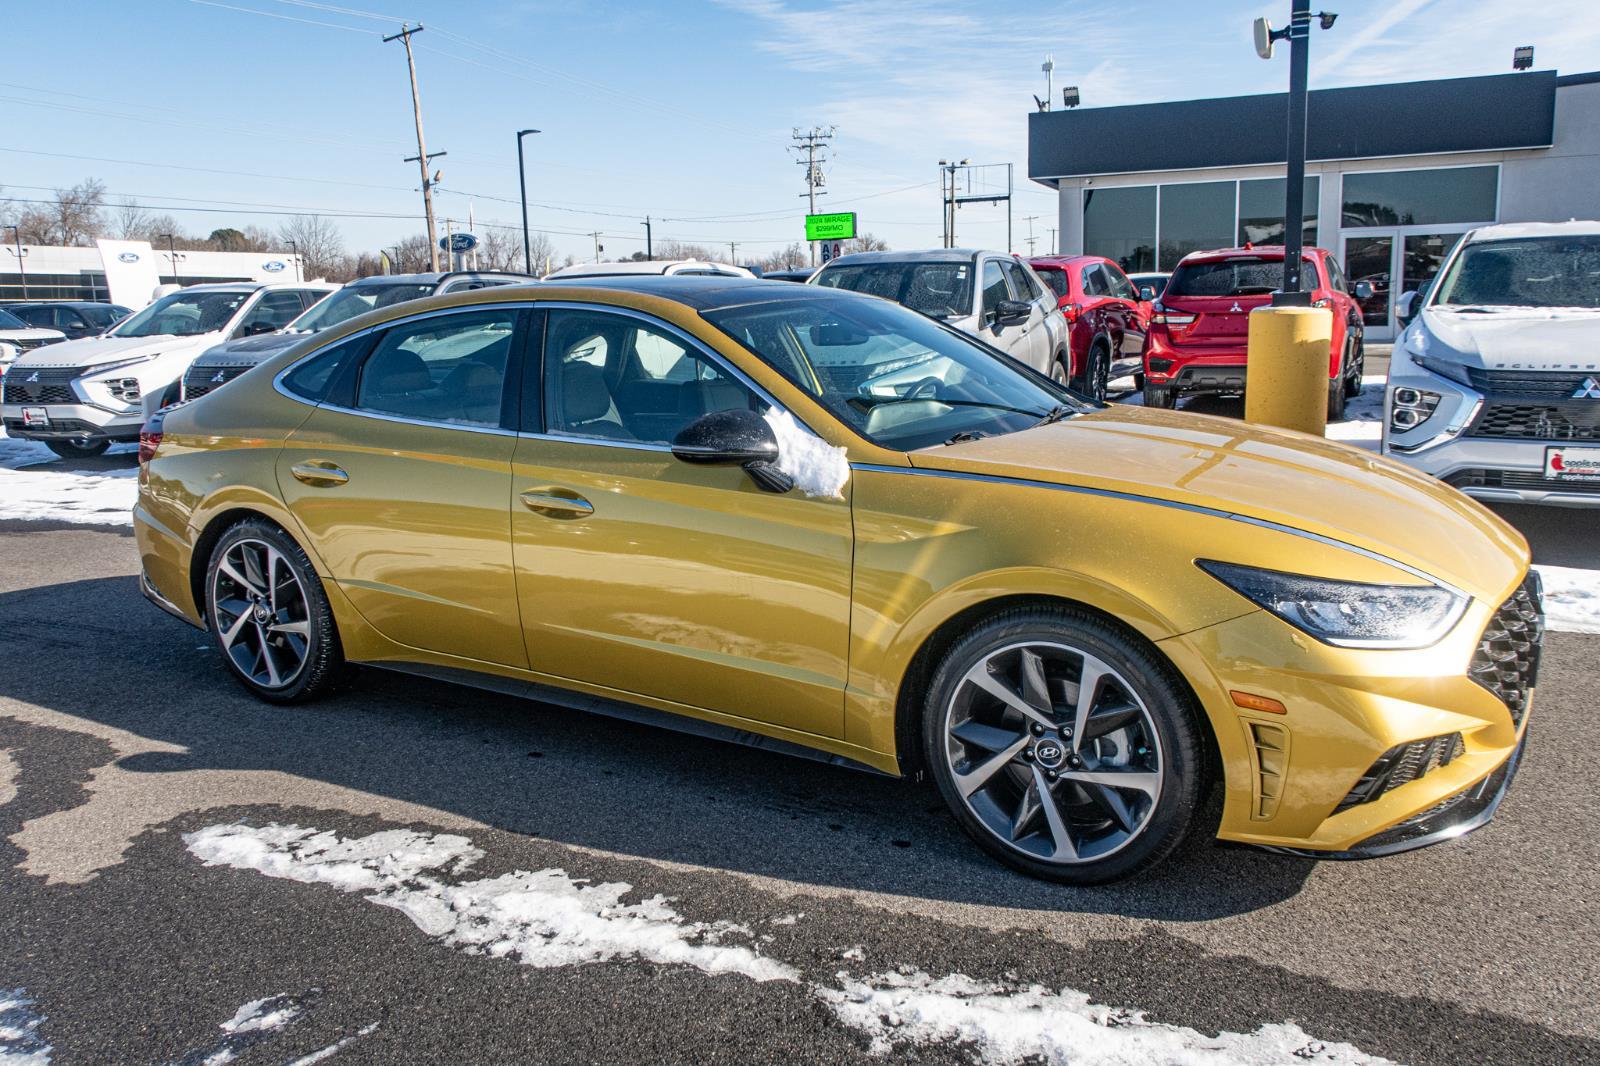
(183, 314)
(11, 321)
(900, 380)
(943, 290)
(1227, 277)
(356, 300)
(1524, 272)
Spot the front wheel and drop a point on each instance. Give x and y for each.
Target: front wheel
(1358, 370)
(1065, 747)
(1096, 371)
(84, 448)
(269, 615)
(1058, 369)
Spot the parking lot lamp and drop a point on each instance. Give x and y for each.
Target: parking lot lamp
(16, 237)
(522, 180)
(295, 248)
(172, 254)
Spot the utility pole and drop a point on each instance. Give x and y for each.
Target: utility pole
(733, 253)
(172, 254)
(598, 247)
(649, 247)
(947, 191)
(16, 236)
(522, 178)
(811, 142)
(295, 248)
(1053, 240)
(422, 157)
(1030, 221)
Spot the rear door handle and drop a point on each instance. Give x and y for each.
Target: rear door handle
(557, 503)
(319, 472)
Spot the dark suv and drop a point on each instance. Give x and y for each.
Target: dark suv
(221, 364)
(75, 318)
(1199, 328)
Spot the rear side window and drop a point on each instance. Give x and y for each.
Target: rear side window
(1057, 280)
(443, 368)
(312, 379)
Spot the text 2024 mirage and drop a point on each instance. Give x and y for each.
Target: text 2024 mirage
(818, 518)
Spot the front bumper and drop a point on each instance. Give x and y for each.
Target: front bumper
(72, 422)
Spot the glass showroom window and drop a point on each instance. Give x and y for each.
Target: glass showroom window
(1420, 197)
(1120, 224)
(1195, 217)
(1261, 211)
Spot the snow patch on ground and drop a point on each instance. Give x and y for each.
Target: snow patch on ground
(20, 1044)
(1571, 598)
(542, 918)
(818, 468)
(1001, 1024)
(103, 498)
(8, 777)
(1363, 416)
(333, 1049)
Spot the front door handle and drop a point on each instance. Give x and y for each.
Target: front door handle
(319, 472)
(557, 503)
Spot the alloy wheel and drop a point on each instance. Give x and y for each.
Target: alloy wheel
(261, 613)
(1053, 752)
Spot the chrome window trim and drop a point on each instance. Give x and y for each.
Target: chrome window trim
(1192, 508)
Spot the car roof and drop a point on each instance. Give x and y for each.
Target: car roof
(915, 255)
(435, 277)
(698, 292)
(647, 267)
(57, 303)
(1062, 261)
(1507, 230)
(1257, 251)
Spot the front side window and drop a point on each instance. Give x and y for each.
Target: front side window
(943, 290)
(897, 378)
(354, 300)
(1022, 281)
(620, 378)
(272, 312)
(445, 368)
(1336, 276)
(11, 321)
(1524, 272)
(184, 314)
(1094, 281)
(1117, 283)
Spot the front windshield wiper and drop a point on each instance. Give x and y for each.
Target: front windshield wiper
(1055, 414)
(964, 436)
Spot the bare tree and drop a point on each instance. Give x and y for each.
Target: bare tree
(319, 245)
(866, 242)
(791, 258)
(670, 249)
(76, 216)
(409, 255)
(131, 222)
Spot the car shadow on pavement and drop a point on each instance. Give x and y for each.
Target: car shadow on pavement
(94, 650)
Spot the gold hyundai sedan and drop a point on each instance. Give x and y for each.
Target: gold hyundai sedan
(819, 522)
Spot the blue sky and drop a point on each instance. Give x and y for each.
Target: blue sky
(680, 110)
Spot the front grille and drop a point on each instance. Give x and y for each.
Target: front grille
(1579, 420)
(1519, 479)
(28, 344)
(1401, 765)
(1529, 384)
(1507, 660)
(53, 385)
(59, 427)
(201, 380)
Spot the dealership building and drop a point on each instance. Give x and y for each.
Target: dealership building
(1395, 173)
(127, 272)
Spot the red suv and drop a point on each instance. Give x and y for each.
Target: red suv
(1107, 319)
(1200, 324)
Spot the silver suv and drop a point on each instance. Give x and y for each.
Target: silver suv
(1494, 387)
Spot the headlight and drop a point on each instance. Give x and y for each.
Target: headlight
(95, 371)
(1445, 368)
(1347, 614)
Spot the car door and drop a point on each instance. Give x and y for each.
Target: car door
(1040, 341)
(401, 479)
(994, 289)
(1132, 325)
(642, 575)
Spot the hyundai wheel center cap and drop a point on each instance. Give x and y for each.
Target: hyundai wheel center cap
(261, 612)
(1049, 753)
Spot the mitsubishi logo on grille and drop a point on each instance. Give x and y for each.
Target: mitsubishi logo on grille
(218, 378)
(35, 377)
(1589, 390)
(1235, 307)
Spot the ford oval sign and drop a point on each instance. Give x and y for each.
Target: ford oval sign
(458, 242)
(128, 257)
(273, 267)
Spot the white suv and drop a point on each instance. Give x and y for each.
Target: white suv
(1494, 387)
(80, 396)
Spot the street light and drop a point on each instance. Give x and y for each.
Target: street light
(295, 248)
(1298, 34)
(16, 236)
(172, 254)
(522, 180)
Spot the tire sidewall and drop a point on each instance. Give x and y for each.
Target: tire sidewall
(324, 655)
(1155, 682)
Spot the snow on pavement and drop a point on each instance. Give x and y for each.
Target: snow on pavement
(102, 498)
(1571, 598)
(548, 919)
(20, 1044)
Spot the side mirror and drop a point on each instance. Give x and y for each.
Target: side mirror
(1403, 306)
(1012, 312)
(1363, 290)
(737, 436)
(1147, 293)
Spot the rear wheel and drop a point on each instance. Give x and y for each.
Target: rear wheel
(269, 615)
(82, 448)
(1358, 369)
(1064, 747)
(1058, 369)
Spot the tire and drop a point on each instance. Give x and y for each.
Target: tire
(1058, 370)
(1138, 381)
(1358, 369)
(1092, 383)
(1160, 397)
(1336, 400)
(992, 763)
(73, 450)
(286, 649)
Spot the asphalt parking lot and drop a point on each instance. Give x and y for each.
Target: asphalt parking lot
(720, 904)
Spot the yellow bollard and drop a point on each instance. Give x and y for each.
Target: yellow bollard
(1287, 382)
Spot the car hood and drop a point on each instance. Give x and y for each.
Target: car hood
(31, 335)
(248, 351)
(1513, 338)
(1316, 486)
(92, 351)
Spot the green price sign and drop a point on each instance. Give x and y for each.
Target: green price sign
(836, 227)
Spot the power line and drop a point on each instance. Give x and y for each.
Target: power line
(286, 18)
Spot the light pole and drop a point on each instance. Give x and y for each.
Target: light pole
(649, 246)
(172, 254)
(522, 180)
(295, 248)
(16, 236)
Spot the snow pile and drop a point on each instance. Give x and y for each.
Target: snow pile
(542, 918)
(1363, 416)
(263, 1015)
(19, 1043)
(1571, 598)
(102, 498)
(1015, 1025)
(818, 468)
